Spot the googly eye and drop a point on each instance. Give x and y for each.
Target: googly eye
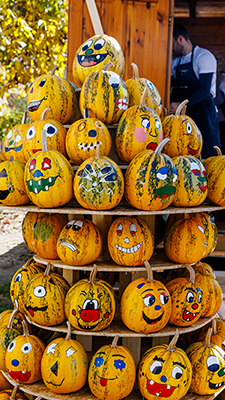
(133, 229)
(157, 124)
(149, 300)
(99, 44)
(31, 133)
(78, 225)
(177, 372)
(156, 367)
(87, 45)
(50, 130)
(114, 80)
(164, 298)
(11, 346)
(9, 135)
(188, 128)
(190, 297)
(26, 348)
(18, 138)
(39, 291)
(119, 229)
(212, 363)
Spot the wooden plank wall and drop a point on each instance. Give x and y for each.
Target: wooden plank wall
(141, 28)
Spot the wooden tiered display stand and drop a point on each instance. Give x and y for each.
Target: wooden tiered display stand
(130, 339)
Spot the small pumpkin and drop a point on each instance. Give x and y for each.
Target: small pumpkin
(215, 167)
(145, 305)
(104, 94)
(23, 357)
(79, 242)
(12, 187)
(64, 365)
(136, 87)
(84, 136)
(44, 298)
(130, 241)
(98, 183)
(164, 371)
(218, 333)
(55, 135)
(57, 93)
(7, 333)
(186, 297)
(48, 177)
(90, 304)
(13, 142)
(139, 129)
(93, 54)
(185, 137)
(150, 180)
(208, 366)
(192, 184)
(112, 372)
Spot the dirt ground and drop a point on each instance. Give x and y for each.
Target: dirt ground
(13, 250)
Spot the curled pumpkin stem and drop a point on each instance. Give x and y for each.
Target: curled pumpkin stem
(218, 150)
(181, 109)
(93, 274)
(192, 273)
(45, 112)
(135, 71)
(98, 150)
(107, 66)
(172, 344)
(208, 338)
(143, 97)
(24, 118)
(161, 145)
(44, 141)
(68, 336)
(10, 323)
(214, 327)
(25, 328)
(149, 271)
(115, 340)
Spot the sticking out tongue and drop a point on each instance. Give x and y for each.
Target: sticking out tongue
(103, 382)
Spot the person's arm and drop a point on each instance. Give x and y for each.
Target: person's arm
(203, 91)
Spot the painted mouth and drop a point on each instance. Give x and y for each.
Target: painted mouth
(89, 146)
(150, 321)
(122, 104)
(55, 384)
(151, 146)
(165, 192)
(202, 188)
(34, 105)
(41, 185)
(21, 376)
(87, 327)
(103, 381)
(4, 194)
(216, 386)
(188, 316)
(90, 60)
(159, 389)
(129, 250)
(18, 148)
(192, 151)
(69, 245)
(32, 310)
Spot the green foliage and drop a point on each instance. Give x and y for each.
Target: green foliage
(13, 116)
(33, 40)
(5, 299)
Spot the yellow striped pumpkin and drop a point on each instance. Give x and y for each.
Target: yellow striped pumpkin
(12, 187)
(215, 168)
(210, 229)
(13, 142)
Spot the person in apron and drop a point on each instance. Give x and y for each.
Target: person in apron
(195, 83)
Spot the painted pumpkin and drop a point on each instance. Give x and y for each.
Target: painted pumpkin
(192, 184)
(185, 137)
(186, 297)
(48, 178)
(64, 365)
(23, 357)
(215, 168)
(90, 304)
(145, 305)
(55, 135)
(44, 298)
(7, 333)
(210, 229)
(79, 242)
(13, 142)
(185, 241)
(139, 129)
(105, 95)
(20, 280)
(98, 183)
(218, 333)
(112, 372)
(84, 136)
(18, 317)
(4, 384)
(56, 93)
(45, 232)
(136, 87)
(164, 371)
(150, 180)
(208, 366)
(130, 241)
(213, 296)
(12, 188)
(93, 54)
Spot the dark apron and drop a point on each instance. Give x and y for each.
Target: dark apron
(204, 113)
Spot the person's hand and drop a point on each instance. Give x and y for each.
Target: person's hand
(173, 107)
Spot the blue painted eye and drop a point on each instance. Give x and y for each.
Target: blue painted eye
(87, 45)
(99, 361)
(162, 173)
(18, 277)
(99, 44)
(41, 84)
(119, 364)
(212, 363)
(156, 367)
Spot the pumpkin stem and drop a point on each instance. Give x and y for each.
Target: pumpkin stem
(47, 270)
(164, 112)
(10, 323)
(39, 397)
(98, 150)
(149, 271)
(115, 340)
(161, 145)
(173, 342)
(65, 72)
(143, 97)
(86, 113)
(135, 71)
(25, 328)
(68, 336)
(93, 274)
(13, 395)
(214, 327)
(218, 150)
(10, 158)
(43, 116)
(44, 141)
(53, 70)
(208, 338)
(24, 118)
(180, 108)
(107, 66)
(192, 273)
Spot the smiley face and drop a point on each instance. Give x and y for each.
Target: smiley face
(13, 143)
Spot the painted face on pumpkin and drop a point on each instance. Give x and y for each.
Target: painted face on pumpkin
(148, 130)
(6, 187)
(42, 176)
(215, 372)
(190, 303)
(13, 143)
(93, 52)
(198, 170)
(194, 138)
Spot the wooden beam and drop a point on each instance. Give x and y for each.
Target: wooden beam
(95, 19)
(192, 8)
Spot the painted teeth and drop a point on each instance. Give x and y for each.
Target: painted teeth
(39, 183)
(151, 382)
(130, 250)
(90, 146)
(168, 386)
(46, 187)
(50, 179)
(30, 183)
(36, 191)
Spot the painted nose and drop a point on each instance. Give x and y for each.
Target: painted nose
(92, 133)
(194, 306)
(15, 362)
(163, 378)
(157, 307)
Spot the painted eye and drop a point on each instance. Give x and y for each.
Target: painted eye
(98, 124)
(199, 298)
(9, 135)
(51, 348)
(162, 173)
(157, 124)
(149, 300)
(99, 361)
(40, 291)
(110, 178)
(18, 277)
(69, 224)
(46, 164)
(190, 297)
(78, 225)
(174, 170)
(188, 128)
(11, 346)
(164, 298)
(201, 229)
(87, 45)
(156, 367)
(18, 138)
(82, 126)
(92, 133)
(195, 169)
(70, 352)
(35, 224)
(31, 133)
(26, 348)
(90, 304)
(114, 80)
(133, 229)
(145, 123)
(32, 165)
(203, 170)
(50, 130)
(41, 84)
(212, 364)
(99, 44)
(119, 229)
(119, 364)
(177, 372)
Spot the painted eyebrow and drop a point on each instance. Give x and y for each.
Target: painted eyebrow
(158, 359)
(184, 120)
(177, 363)
(118, 355)
(192, 290)
(101, 352)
